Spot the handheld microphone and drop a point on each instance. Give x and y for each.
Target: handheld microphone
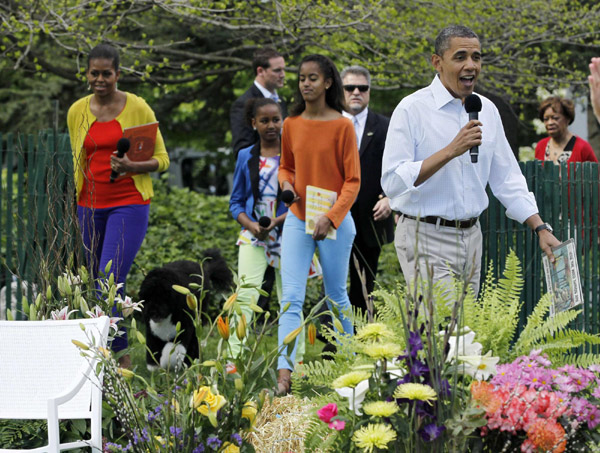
(473, 107)
(122, 147)
(264, 221)
(287, 196)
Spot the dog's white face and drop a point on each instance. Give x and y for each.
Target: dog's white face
(163, 329)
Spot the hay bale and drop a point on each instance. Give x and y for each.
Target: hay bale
(281, 425)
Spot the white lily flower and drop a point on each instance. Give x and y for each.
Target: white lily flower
(63, 314)
(480, 367)
(359, 393)
(463, 345)
(128, 306)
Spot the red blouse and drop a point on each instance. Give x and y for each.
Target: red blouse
(582, 151)
(98, 191)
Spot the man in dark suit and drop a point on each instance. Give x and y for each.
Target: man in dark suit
(269, 69)
(371, 210)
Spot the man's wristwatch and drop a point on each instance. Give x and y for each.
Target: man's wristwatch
(543, 226)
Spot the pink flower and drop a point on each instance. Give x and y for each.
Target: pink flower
(338, 425)
(327, 412)
(593, 416)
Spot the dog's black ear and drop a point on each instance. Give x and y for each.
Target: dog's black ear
(216, 272)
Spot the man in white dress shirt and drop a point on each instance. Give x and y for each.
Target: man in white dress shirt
(428, 175)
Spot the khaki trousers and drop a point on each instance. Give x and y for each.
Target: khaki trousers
(447, 250)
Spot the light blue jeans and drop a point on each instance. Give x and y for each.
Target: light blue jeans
(297, 250)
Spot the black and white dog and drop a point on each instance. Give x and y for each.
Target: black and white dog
(164, 307)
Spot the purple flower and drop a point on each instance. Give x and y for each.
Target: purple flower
(214, 443)
(198, 449)
(415, 343)
(418, 369)
(431, 432)
(237, 439)
(176, 432)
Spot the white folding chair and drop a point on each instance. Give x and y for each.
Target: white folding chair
(44, 376)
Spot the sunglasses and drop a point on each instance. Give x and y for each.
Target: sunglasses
(361, 88)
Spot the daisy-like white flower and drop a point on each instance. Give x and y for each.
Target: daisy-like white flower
(412, 391)
(374, 331)
(351, 379)
(374, 436)
(61, 315)
(380, 408)
(480, 366)
(382, 350)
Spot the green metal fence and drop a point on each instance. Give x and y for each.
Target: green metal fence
(567, 197)
(38, 229)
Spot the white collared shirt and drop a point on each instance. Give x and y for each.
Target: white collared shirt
(266, 93)
(424, 123)
(359, 121)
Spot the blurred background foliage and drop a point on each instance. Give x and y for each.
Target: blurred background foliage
(191, 58)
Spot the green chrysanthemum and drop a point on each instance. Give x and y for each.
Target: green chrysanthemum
(374, 436)
(351, 379)
(374, 331)
(382, 350)
(380, 408)
(412, 391)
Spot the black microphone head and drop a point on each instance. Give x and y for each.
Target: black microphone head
(473, 103)
(123, 145)
(287, 196)
(264, 221)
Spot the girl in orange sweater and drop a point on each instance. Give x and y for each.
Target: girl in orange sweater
(318, 148)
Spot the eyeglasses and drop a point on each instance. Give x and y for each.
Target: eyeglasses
(361, 88)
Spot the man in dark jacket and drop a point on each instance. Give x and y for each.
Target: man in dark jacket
(371, 210)
(269, 68)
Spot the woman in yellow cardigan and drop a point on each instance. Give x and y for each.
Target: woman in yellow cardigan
(113, 216)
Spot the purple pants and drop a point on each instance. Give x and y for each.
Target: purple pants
(113, 234)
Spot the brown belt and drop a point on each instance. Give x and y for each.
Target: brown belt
(445, 222)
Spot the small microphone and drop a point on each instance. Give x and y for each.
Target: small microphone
(122, 147)
(264, 221)
(287, 196)
(473, 107)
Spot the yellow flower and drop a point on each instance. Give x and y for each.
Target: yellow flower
(126, 373)
(249, 411)
(241, 327)
(380, 408)
(292, 335)
(192, 301)
(211, 403)
(351, 379)
(382, 350)
(412, 391)
(374, 436)
(230, 448)
(198, 396)
(229, 302)
(374, 331)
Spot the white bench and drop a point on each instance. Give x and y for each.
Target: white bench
(44, 376)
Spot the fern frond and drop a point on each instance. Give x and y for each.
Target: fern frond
(581, 360)
(495, 315)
